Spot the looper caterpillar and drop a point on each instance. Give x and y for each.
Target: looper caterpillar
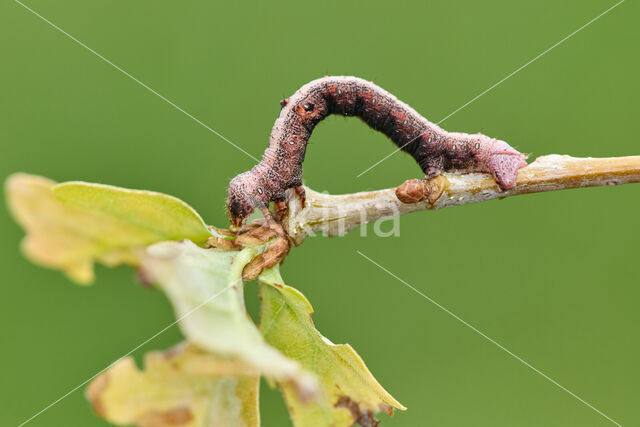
(435, 149)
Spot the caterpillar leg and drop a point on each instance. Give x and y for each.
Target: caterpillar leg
(268, 216)
(433, 166)
(280, 209)
(301, 194)
(271, 222)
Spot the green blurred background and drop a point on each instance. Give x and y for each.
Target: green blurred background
(552, 277)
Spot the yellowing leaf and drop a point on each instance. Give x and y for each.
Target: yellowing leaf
(71, 225)
(184, 386)
(150, 216)
(206, 290)
(351, 393)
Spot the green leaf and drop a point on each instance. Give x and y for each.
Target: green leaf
(71, 225)
(149, 216)
(206, 290)
(351, 393)
(184, 386)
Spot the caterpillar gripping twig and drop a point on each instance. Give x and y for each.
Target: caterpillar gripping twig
(435, 149)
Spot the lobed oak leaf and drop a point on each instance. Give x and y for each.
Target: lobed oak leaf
(206, 290)
(71, 225)
(350, 392)
(183, 386)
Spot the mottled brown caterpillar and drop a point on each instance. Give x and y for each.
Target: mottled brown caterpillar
(435, 149)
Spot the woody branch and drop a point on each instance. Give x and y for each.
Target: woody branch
(334, 215)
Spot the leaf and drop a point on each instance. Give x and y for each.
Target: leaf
(71, 225)
(184, 386)
(351, 392)
(206, 290)
(149, 216)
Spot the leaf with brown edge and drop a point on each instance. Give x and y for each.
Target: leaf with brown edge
(183, 386)
(351, 393)
(71, 225)
(206, 290)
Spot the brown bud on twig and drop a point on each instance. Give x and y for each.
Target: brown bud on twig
(219, 242)
(223, 231)
(417, 190)
(255, 234)
(276, 252)
(412, 191)
(253, 269)
(256, 237)
(277, 249)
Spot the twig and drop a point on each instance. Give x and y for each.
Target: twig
(334, 215)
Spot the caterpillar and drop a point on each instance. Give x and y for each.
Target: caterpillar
(434, 149)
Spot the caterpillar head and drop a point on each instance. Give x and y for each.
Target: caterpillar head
(244, 195)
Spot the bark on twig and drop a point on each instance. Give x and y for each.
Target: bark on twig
(334, 215)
